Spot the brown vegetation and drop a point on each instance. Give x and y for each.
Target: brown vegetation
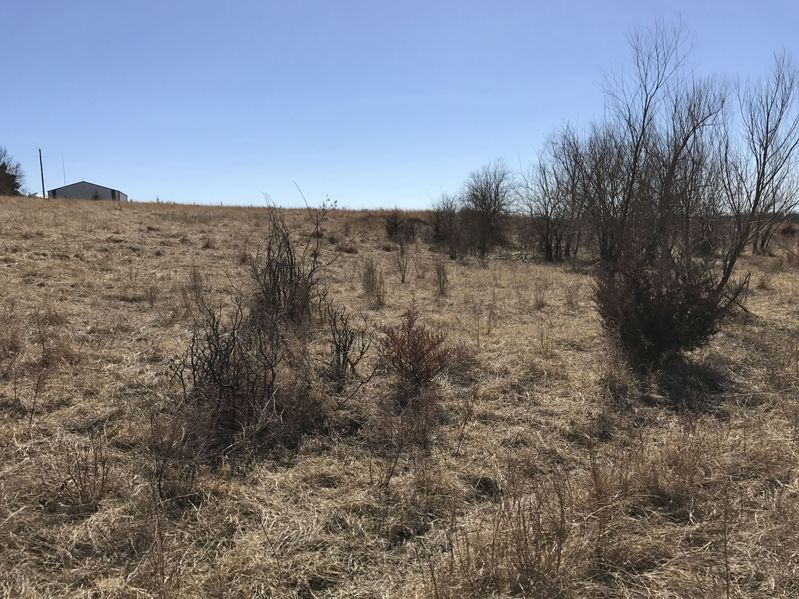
(518, 457)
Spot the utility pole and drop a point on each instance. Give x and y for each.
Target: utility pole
(41, 170)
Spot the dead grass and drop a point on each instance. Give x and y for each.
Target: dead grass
(547, 470)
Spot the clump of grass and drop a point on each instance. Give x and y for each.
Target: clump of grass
(540, 294)
(442, 279)
(347, 247)
(764, 283)
(151, 293)
(572, 292)
(372, 283)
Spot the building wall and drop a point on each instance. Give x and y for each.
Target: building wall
(87, 191)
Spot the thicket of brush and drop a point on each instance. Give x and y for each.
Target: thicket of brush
(251, 381)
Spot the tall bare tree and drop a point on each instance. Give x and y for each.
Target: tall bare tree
(760, 169)
(487, 199)
(549, 194)
(651, 176)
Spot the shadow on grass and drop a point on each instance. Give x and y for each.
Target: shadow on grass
(694, 386)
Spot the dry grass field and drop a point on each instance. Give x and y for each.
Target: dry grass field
(548, 471)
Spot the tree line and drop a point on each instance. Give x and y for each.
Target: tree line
(680, 177)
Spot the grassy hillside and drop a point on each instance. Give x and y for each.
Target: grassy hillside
(549, 471)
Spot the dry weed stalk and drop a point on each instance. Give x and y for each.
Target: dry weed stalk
(401, 259)
(373, 284)
(442, 280)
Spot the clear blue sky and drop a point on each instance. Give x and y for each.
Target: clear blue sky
(373, 103)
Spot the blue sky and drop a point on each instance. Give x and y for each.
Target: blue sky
(371, 103)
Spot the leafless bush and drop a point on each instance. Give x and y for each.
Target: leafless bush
(447, 227)
(442, 280)
(248, 381)
(400, 229)
(373, 284)
(87, 475)
(349, 343)
(414, 354)
(287, 274)
(401, 259)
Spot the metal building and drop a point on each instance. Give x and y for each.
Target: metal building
(86, 191)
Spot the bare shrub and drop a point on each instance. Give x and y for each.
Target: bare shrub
(349, 343)
(248, 382)
(442, 280)
(392, 224)
(287, 275)
(373, 284)
(246, 378)
(401, 259)
(446, 223)
(400, 229)
(87, 475)
(414, 355)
